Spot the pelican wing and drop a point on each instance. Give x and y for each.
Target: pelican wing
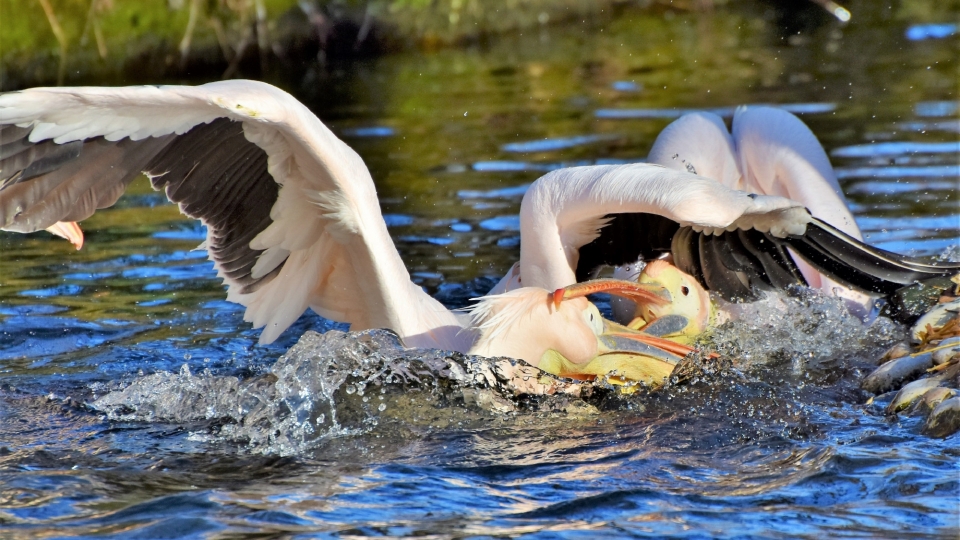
(291, 211)
(732, 242)
(568, 209)
(699, 143)
(735, 263)
(771, 152)
(779, 155)
(859, 265)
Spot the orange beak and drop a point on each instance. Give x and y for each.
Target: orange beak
(638, 292)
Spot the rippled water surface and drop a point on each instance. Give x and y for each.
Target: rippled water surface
(135, 403)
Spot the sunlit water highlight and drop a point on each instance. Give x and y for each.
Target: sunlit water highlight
(134, 400)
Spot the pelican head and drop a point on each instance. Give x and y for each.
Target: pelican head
(526, 323)
(689, 300)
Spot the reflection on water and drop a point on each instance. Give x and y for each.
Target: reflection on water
(780, 445)
(726, 112)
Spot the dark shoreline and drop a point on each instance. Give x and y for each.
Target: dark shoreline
(303, 36)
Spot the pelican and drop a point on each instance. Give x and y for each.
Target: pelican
(586, 218)
(292, 215)
(768, 151)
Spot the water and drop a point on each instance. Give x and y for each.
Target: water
(135, 403)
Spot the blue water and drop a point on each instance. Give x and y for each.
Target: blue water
(782, 444)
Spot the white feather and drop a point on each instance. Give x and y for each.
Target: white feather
(493, 315)
(268, 261)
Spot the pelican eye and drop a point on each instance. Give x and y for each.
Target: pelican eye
(592, 317)
(685, 290)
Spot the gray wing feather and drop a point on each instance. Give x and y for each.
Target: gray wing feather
(216, 175)
(212, 171)
(93, 177)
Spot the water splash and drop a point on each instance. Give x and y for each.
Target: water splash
(340, 383)
(807, 330)
(331, 385)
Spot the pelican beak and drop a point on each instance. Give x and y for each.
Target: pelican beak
(638, 292)
(616, 368)
(69, 230)
(625, 356)
(619, 338)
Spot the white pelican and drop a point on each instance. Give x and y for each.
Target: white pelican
(291, 211)
(770, 152)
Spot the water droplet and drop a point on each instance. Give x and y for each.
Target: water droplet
(382, 407)
(351, 389)
(187, 356)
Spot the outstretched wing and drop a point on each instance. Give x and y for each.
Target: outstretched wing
(573, 219)
(779, 155)
(732, 242)
(291, 211)
(771, 152)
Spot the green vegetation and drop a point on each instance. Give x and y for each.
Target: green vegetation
(110, 41)
(58, 40)
(130, 41)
